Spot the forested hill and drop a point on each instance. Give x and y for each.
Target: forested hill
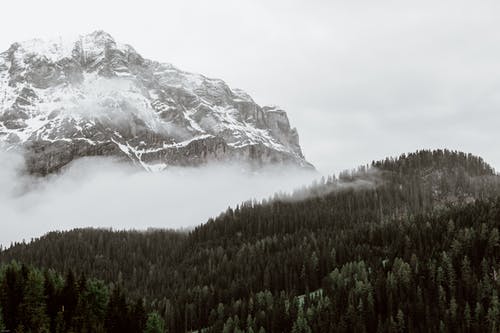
(402, 245)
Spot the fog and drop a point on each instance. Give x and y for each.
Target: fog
(99, 192)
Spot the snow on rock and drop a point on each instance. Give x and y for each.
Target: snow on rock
(66, 98)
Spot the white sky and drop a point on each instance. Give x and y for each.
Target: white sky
(360, 79)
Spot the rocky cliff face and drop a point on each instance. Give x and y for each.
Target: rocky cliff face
(91, 96)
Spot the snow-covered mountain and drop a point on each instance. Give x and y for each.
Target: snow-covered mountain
(91, 96)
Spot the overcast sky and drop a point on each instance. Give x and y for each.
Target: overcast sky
(360, 79)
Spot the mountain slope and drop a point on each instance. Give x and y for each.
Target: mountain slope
(92, 96)
(370, 225)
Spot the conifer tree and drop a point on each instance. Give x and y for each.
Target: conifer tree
(154, 324)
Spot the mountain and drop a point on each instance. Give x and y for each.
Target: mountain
(92, 96)
(403, 244)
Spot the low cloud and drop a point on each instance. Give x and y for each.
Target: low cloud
(97, 192)
(361, 179)
(119, 101)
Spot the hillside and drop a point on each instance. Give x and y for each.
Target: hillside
(405, 244)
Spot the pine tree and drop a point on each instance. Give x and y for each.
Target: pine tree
(69, 298)
(154, 324)
(33, 309)
(96, 295)
(138, 317)
(467, 317)
(51, 300)
(301, 325)
(2, 325)
(494, 315)
(11, 295)
(117, 314)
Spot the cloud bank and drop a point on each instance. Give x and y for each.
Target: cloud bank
(97, 192)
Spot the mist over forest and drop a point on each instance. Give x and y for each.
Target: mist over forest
(104, 193)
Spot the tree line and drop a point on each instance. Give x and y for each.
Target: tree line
(43, 301)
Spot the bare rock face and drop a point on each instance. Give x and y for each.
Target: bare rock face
(91, 96)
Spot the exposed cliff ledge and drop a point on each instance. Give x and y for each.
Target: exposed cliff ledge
(91, 96)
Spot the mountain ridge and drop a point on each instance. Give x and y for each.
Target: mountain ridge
(65, 99)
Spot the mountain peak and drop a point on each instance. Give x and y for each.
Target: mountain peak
(100, 35)
(64, 47)
(65, 98)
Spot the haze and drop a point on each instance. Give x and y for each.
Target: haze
(97, 192)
